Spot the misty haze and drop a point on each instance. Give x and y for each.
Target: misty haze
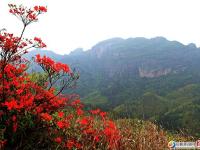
(99, 75)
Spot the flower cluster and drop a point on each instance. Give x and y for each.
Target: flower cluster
(86, 130)
(40, 9)
(50, 65)
(39, 43)
(27, 15)
(8, 42)
(12, 47)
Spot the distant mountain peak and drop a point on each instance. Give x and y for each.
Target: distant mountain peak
(114, 45)
(42, 52)
(108, 42)
(192, 45)
(159, 38)
(77, 51)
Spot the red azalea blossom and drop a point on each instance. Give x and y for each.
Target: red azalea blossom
(36, 8)
(14, 118)
(60, 114)
(12, 105)
(50, 65)
(38, 110)
(19, 91)
(27, 15)
(78, 145)
(42, 8)
(58, 140)
(95, 112)
(37, 40)
(70, 144)
(76, 102)
(79, 111)
(102, 114)
(83, 121)
(60, 124)
(96, 138)
(46, 117)
(39, 43)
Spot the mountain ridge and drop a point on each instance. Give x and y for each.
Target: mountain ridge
(159, 38)
(140, 78)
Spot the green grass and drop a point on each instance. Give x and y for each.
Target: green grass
(95, 98)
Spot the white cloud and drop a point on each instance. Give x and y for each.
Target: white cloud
(82, 23)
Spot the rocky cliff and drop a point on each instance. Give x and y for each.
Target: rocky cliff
(154, 73)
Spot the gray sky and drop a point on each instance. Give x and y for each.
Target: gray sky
(82, 23)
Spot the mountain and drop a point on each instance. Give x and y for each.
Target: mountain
(48, 53)
(135, 65)
(153, 79)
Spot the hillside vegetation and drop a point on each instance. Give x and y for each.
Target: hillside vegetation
(151, 79)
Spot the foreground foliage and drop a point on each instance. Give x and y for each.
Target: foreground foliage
(33, 114)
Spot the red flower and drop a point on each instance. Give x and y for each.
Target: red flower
(70, 144)
(12, 105)
(42, 8)
(60, 124)
(28, 14)
(37, 40)
(95, 112)
(46, 117)
(38, 110)
(96, 138)
(83, 121)
(49, 64)
(111, 125)
(19, 91)
(39, 43)
(36, 8)
(58, 140)
(14, 118)
(38, 58)
(108, 131)
(79, 111)
(60, 114)
(76, 102)
(102, 114)
(78, 145)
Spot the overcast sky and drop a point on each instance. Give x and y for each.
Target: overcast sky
(70, 24)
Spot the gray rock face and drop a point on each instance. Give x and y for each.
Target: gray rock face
(154, 73)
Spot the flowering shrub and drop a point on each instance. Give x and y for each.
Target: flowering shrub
(34, 114)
